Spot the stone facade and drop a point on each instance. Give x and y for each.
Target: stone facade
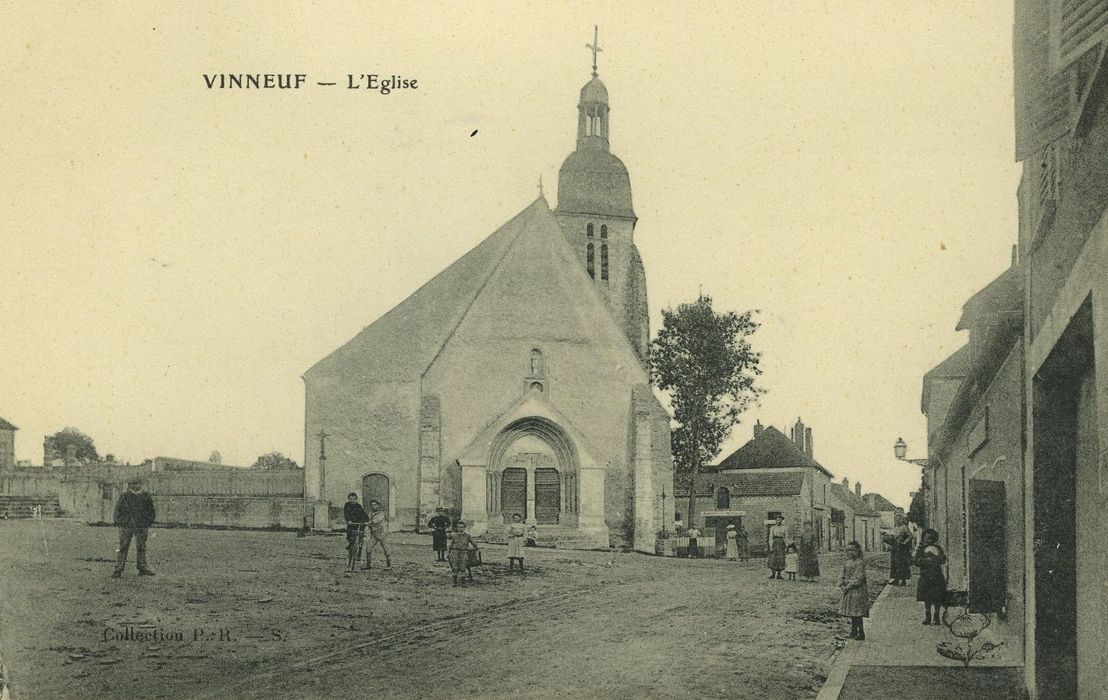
(7, 444)
(1017, 475)
(514, 381)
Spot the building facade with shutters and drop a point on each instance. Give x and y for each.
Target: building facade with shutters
(1018, 474)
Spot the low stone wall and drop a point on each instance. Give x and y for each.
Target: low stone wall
(222, 497)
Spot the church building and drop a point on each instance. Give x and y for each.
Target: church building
(514, 381)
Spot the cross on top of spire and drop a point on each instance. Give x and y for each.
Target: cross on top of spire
(595, 46)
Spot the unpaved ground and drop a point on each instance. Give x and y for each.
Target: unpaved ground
(269, 614)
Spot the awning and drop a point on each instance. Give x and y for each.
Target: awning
(723, 513)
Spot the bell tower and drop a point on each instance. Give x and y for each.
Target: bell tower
(596, 215)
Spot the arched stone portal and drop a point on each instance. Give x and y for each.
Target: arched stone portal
(532, 470)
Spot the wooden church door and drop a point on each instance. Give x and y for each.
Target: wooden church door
(513, 493)
(548, 496)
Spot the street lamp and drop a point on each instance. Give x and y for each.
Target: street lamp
(900, 449)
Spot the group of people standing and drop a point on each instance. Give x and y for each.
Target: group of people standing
(460, 550)
(357, 522)
(929, 556)
(799, 558)
(931, 590)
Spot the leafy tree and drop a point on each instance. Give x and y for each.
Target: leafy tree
(704, 360)
(72, 437)
(275, 460)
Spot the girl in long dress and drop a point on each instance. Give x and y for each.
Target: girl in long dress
(775, 560)
(931, 589)
(855, 603)
(458, 553)
(516, 533)
(732, 543)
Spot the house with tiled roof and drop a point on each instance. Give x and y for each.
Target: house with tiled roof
(886, 511)
(772, 474)
(860, 523)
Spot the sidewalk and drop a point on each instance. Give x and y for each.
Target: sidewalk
(898, 658)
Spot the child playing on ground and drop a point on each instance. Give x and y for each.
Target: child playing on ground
(792, 561)
(855, 604)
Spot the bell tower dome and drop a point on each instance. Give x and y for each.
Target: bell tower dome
(596, 215)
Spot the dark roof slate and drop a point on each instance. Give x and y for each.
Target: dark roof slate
(881, 503)
(770, 450)
(849, 498)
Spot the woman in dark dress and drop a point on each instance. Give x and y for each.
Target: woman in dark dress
(900, 556)
(742, 543)
(931, 589)
(439, 524)
(809, 554)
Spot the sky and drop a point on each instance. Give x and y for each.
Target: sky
(173, 258)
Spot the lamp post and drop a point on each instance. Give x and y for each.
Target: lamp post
(665, 533)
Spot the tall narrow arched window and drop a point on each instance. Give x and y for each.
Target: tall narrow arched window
(603, 230)
(589, 264)
(588, 230)
(723, 498)
(604, 261)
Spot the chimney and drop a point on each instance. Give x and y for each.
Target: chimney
(858, 488)
(758, 428)
(798, 435)
(808, 442)
(846, 483)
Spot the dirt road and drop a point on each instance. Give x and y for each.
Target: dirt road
(254, 614)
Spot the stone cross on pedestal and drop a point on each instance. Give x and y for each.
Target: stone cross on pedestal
(321, 512)
(322, 435)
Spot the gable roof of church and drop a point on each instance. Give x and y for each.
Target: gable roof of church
(770, 450)
(5, 425)
(405, 341)
(397, 343)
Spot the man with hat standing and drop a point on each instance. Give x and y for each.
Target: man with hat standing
(134, 514)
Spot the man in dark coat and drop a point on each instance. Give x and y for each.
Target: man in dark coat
(356, 519)
(134, 514)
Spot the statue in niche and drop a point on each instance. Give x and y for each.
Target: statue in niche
(536, 363)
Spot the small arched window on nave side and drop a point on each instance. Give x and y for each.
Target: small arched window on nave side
(603, 230)
(589, 263)
(604, 261)
(588, 231)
